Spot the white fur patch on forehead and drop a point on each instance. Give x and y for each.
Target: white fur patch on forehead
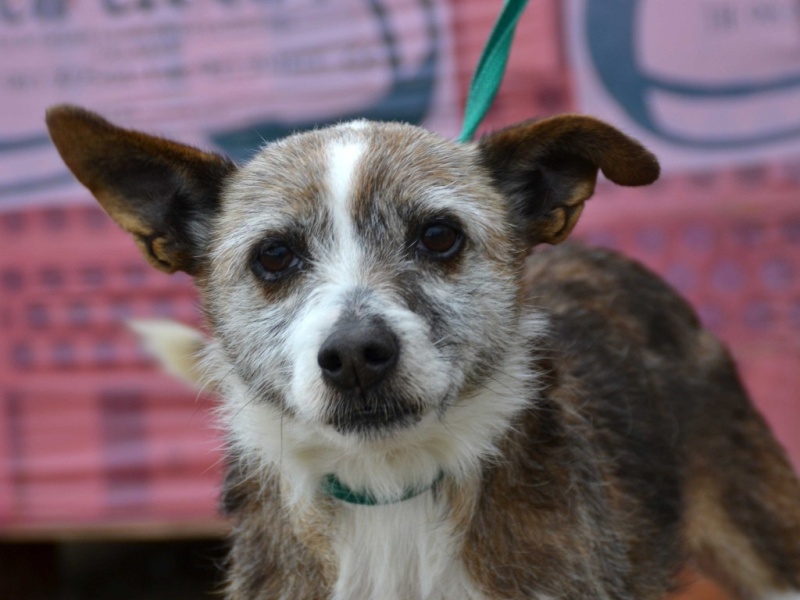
(343, 157)
(343, 263)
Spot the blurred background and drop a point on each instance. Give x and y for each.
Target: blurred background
(109, 470)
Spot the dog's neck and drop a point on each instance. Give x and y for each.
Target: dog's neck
(333, 487)
(409, 549)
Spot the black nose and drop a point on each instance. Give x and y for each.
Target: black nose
(358, 353)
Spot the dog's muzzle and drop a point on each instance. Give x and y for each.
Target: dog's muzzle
(357, 360)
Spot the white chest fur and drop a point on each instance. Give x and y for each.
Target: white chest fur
(401, 551)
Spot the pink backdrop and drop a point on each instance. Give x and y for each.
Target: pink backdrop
(91, 435)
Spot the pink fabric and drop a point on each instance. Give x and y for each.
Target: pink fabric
(91, 432)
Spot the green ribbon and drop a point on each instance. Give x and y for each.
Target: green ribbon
(490, 69)
(334, 487)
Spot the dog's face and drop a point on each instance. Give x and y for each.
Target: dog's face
(364, 278)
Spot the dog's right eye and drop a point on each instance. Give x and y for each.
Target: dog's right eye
(440, 240)
(275, 259)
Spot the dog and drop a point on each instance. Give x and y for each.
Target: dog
(424, 395)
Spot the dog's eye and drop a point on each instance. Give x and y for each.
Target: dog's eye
(275, 259)
(440, 240)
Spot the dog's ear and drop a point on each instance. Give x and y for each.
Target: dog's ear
(547, 169)
(162, 192)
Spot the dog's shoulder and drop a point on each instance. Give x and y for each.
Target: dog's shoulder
(593, 292)
(627, 358)
(628, 347)
(625, 344)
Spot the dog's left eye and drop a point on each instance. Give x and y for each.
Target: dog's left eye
(440, 240)
(275, 259)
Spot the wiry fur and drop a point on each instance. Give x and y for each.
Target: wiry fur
(574, 431)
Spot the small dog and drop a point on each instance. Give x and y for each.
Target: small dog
(418, 409)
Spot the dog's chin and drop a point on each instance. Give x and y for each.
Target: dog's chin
(377, 419)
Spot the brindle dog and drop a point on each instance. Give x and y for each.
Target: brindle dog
(415, 407)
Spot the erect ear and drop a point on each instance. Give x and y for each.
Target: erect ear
(547, 169)
(162, 192)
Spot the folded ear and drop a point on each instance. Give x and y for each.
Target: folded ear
(547, 169)
(162, 192)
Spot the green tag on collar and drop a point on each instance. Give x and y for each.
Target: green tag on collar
(490, 69)
(334, 487)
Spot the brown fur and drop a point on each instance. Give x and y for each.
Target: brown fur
(668, 407)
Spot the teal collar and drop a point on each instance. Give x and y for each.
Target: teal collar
(334, 487)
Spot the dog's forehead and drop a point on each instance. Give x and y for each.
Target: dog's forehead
(361, 167)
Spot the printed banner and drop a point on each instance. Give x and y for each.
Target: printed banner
(701, 82)
(222, 74)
